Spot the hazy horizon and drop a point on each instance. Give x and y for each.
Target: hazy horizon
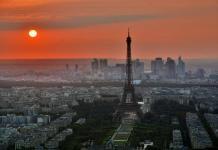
(192, 64)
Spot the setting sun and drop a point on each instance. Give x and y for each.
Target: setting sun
(32, 33)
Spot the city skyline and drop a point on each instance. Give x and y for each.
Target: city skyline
(89, 29)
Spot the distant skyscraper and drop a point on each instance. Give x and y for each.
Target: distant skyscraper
(95, 65)
(200, 73)
(138, 69)
(99, 65)
(103, 63)
(157, 66)
(76, 68)
(170, 68)
(153, 66)
(67, 67)
(181, 68)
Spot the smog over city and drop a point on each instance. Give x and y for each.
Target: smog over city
(108, 74)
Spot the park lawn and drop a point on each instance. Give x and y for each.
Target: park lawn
(159, 134)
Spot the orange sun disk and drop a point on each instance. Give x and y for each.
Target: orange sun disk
(32, 33)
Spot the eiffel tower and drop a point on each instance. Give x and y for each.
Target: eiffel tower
(128, 102)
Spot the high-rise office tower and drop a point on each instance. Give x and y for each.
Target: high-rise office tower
(67, 67)
(170, 68)
(181, 68)
(157, 66)
(103, 63)
(95, 65)
(76, 67)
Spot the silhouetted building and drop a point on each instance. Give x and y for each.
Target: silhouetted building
(99, 65)
(157, 66)
(103, 63)
(180, 68)
(170, 68)
(200, 73)
(95, 65)
(76, 68)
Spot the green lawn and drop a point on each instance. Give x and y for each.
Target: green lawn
(159, 134)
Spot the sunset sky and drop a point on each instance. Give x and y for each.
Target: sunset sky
(98, 28)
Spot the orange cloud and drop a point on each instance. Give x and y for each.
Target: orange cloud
(96, 28)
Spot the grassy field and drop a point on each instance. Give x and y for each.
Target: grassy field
(159, 134)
